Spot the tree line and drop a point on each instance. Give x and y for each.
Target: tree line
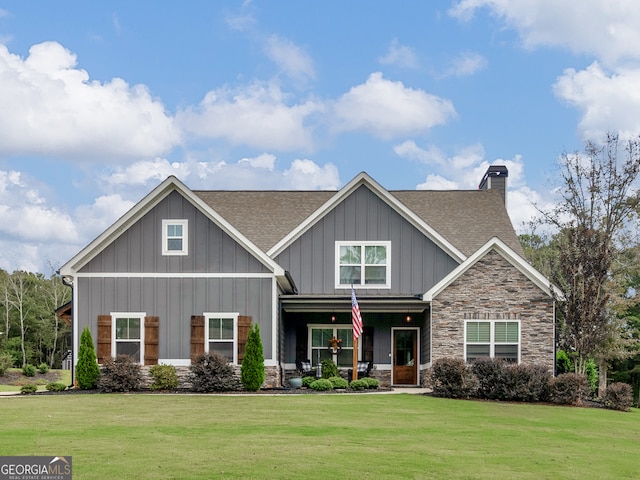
(30, 330)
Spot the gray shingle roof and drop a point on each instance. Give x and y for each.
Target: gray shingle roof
(466, 218)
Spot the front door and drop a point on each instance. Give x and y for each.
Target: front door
(405, 351)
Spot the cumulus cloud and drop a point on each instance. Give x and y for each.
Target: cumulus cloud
(607, 101)
(606, 29)
(466, 64)
(293, 60)
(140, 173)
(50, 107)
(399, 55)
(388, 109)
(257, 115)
(307, 175)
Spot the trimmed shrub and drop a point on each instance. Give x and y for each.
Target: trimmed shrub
(56, 387)
(329, 368)
(43, 368)
(372, 383)
(28, 389)
(164, 377)
(569, 388)
(492, 378)
(338, 382)
(29, 370)
(358, 384)
(6, 362)
(307, 381)
(592, 375)
(452, 378)
(618, 396)
(528, 383)
(87, 370)
(212, 373)
(121, 374)
(322, 385)
(252, 373)
(563, 363)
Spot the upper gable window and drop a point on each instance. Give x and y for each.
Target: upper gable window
(175, 237)
(363, 264)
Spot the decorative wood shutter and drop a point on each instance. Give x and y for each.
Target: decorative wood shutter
(104, 338)
(244, 325)
(151, 340)
(197, 336)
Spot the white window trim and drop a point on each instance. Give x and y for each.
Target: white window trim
(185, 237)
(334, 326)
(368, 243)
(232, 315)
(492, 341)
(141, 316)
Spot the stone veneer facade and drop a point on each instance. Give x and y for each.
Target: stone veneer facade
(493, 289)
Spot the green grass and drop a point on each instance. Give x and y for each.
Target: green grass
(320, 436)
(13, 380)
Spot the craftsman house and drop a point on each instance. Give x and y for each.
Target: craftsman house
(436, 274)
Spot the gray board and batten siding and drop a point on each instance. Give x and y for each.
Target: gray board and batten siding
(417, 263)
(218, 275)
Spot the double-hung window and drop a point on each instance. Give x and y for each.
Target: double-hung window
(492, 338)
(175, 237)
(363, 264)
(319, 336)
(128, 335)
(221, 335)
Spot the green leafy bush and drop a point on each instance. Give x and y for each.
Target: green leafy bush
(121, 374)
(6, 362)
(43, 368)
(56, 387)
(563, 363)
(372, 383)
(329, 368)
(359, 384)
(338, 382)
(29, 370)
(619, 396)
(87, 370)
(452, 378)
(592, 375)
(28, 389)
(252, 373)
(307, 381)
(164, 377)
(212, 373)
(322, 384)
(569, 388)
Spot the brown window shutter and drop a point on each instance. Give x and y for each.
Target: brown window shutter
(151, 340)
(104, 338)
(197, 336)
(244, 325)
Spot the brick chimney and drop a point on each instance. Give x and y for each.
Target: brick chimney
(496, 179)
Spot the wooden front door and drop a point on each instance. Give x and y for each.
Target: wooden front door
(405, 361)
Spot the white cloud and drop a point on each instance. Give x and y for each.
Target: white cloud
(466, 64)
(430, 155)
(307, 175)
(605, 28)
(93, 219)
(437, 182)
(266, 161)
(257, 116)
(293, 60)
(140, 173)
(399, 55)
(49, 107)
(608, 102)
(388, 109)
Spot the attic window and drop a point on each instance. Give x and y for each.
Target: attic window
(175, 237)
(363, 264)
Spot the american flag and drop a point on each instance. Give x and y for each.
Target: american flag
(356, 319)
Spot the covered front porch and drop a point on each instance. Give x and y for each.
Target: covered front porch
(395, 339)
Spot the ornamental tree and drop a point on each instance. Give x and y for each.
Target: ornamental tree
(252, 370)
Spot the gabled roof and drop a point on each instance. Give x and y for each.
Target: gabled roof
(508, 254)
(168, 186)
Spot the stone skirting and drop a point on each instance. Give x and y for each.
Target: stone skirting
(272, 377)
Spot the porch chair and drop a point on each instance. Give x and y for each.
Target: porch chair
(363, 370)
(305, 368)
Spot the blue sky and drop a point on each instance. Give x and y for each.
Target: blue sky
(99, 102)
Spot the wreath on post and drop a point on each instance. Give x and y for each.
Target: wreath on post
(335, 346)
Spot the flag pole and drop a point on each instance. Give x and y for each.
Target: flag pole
(356, 325)
(354, 374)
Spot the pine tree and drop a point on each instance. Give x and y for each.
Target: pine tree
(252, 369)
(87, 370)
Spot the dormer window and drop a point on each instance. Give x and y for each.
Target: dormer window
(175, 237)
(363, 264)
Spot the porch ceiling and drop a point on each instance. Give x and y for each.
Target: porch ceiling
(337, 303)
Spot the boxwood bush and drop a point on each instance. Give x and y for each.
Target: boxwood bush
(43, 368)
(164, 377)
(339, 382)
(359, 384)
(56, 386)
(29, 370)
(372, 383)
(28, 389)
(307, 381)
(322, 384)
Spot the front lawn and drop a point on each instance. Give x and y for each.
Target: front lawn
(142, 436)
